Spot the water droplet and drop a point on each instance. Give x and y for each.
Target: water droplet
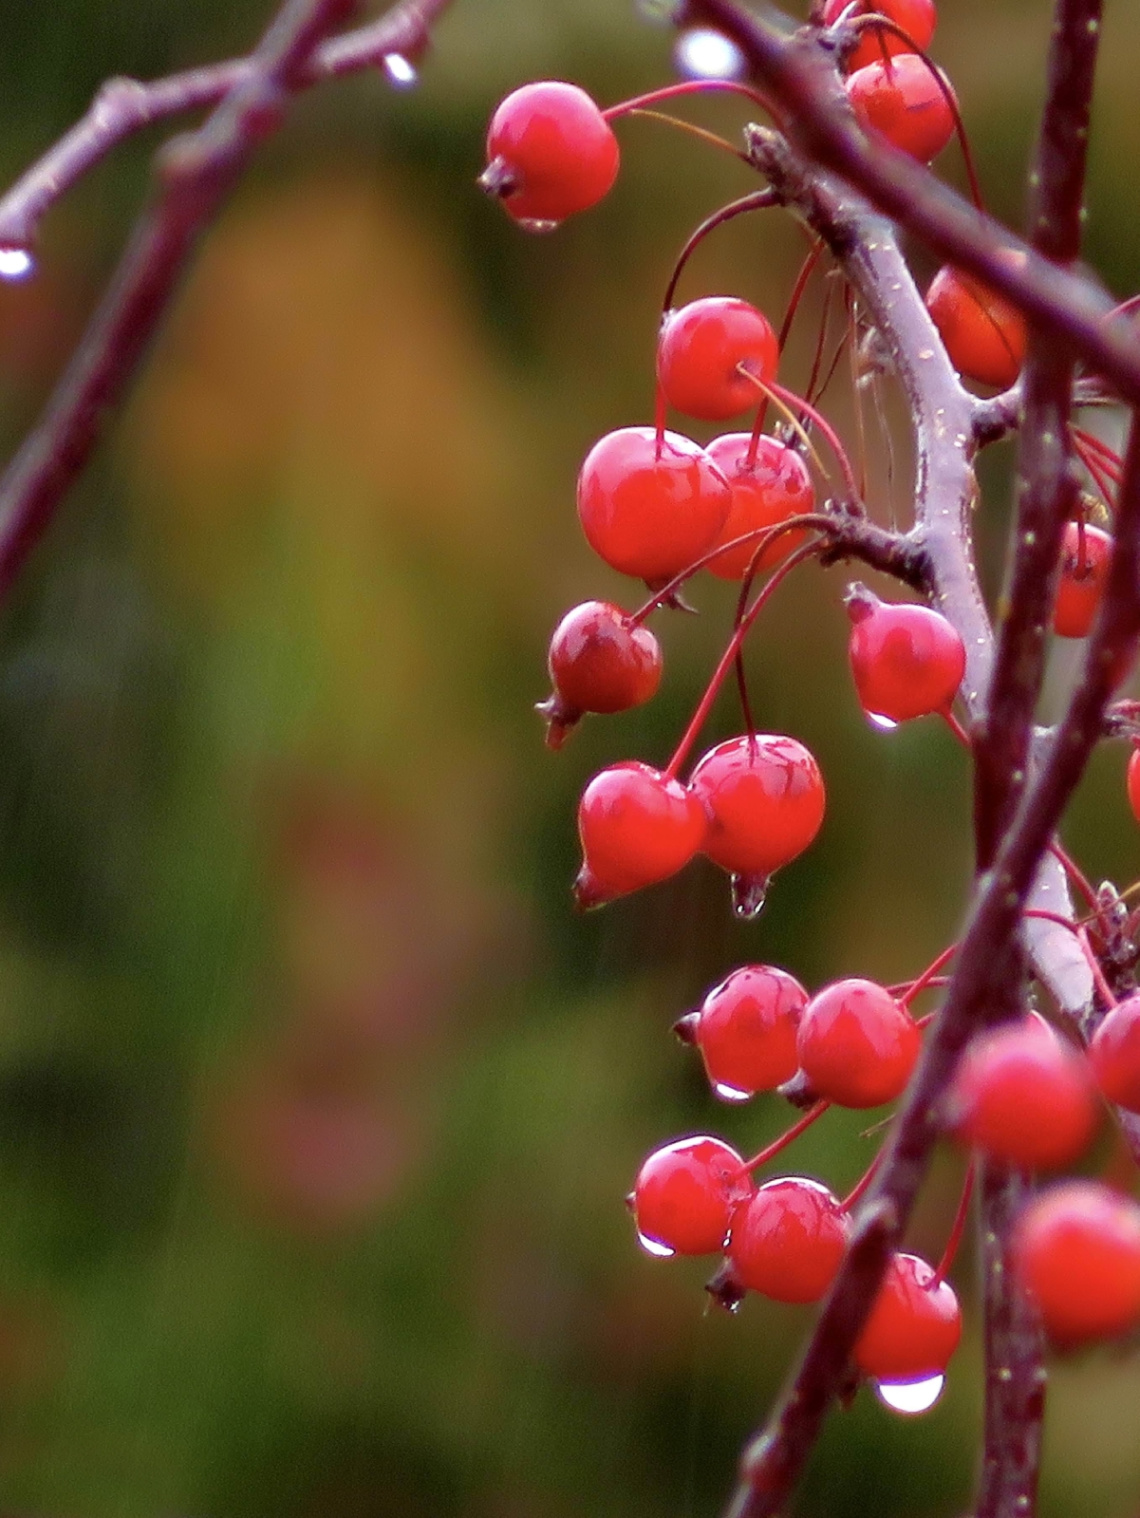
(654, 1246)
(16, 263)
(730, 1093)
(887, 724)
(749, 893)
(531, 224)
(401, 74)
(703, 53)
(911, 1397)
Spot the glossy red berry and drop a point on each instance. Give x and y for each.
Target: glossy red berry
(647, 511)
(908, 661)
(685, 1195)
(1114, 1054)
(746, 1030)
(706, 352)
(1076, 1250)
(1085, 556)
(984, 335)
(914, 1325)
(774, 487)
(857, 1046)
(599, 662)
(550, 152)
(902, 101)
(1132, 783)
(916, 17)
(1025, 1097)
(636, 827)
(788, 1239)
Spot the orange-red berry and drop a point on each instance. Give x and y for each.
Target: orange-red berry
(685, 1195)
(1132, 783)
(1114, 1053)
(1085, 556)
(916, 17)
(984, 335)
(550, 152)
(787, 1240)
(637, 827)
(706, 352)
(914, 1325)
(776, 485)
(746, 1030)
(599, 662)
(902, 101)
(857, 1045)
(907, 660)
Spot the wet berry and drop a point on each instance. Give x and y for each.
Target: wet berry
(774, 487)
(1085, 556)
(706, 352)
(1114, 1054)
(914, 1326)
(916, 17)
(599, 662)
(902, 101)
(788, 1239)
(908, 661)
(650, 512)
(1076, 1250)
(636, 827)
(685, 1195)
(550, 152)
(984, 335)
(857, 1046)
(746, 1030)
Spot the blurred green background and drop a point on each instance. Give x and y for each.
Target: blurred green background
(317, 1102)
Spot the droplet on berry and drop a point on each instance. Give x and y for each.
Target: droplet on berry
(598, 662)
(984, 335)
(857, 1046)
(917, 17)
(746, 1027)
(1085, 556)
(914, 1326)
(637, 827)
(1114, 1054)
(776, 485)
(706, 352)
(902, 101)
(788, 1239)
(650, 510)
(685, 1195)
(907, 660)
(910, 1397)
(550, 152)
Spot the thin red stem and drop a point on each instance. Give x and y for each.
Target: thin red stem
(1081, 936)
(688, 87)
(928, 975)
(956, 728)
(777, 1146)
(759, 200)
(790, 398)
(957, 1229)
(864, 1182)
(1078, 877)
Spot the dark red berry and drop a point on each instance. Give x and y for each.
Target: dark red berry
(647, 511)
(984, 335)
(916, 17)
(599, 662)
(914, 1325)
(857, 1046)
(908, 661)
(636, 827)
(1114, 1054)
(1076, 1250)
(1024, 1097)
(901, 100)
(550, 152)
(774, 487)
(788, 1239)
(1085, 556)
(1132, 783)
(706, 352)
(746, 1030)
(685, 1196)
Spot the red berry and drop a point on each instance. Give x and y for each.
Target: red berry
(788, 1239)
(908, 661)
(1076, 1250)
(902, 101)
(914, 1326)
(636, 827)
(746, 1030)
(685, 1195)
(1115, 1054)
(1132, 783)
(702, 350)
(1085, 556)
(647, 512)
(598, 662)
(776, 486)
(1024, 1097)
(856, 1044)
(984, 335)
(550, 152)
(914, 16)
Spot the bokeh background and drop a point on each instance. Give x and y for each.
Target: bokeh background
(317, 1102)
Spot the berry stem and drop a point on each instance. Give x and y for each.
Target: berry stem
(1081, 936)
(1078, 877)
(863, 1184)
(928, 975)
(702, 134)
(759, 200)
(777, 1146)
(791, 399)
(687, 87)
(956, 728)
(957, 1229)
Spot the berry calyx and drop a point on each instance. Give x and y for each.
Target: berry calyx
(787, 1240)
(907, 660)
(857, 1046)
(774, 486)
(746, 1030)
(637, 827)
(685, 1195)
(903, 102)
(1076, 1250)
(984, 335)
(1024, 1097)
(1085, 556)
(550, 152)
(650, 507)
(1114, 1054)
(706, 352)
(916, 17)
(914, 1326)
(599, 661)
(1132, 783)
